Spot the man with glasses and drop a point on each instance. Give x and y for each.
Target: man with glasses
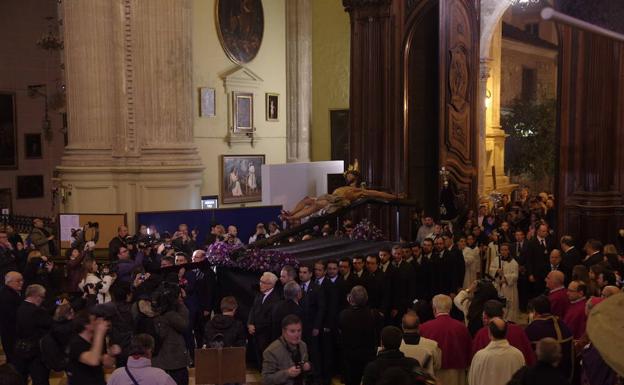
(259, 321)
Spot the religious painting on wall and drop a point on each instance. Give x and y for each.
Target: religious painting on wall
(241, 179)
(272, 107)
(207, 106)
(8, 130)
(240, 24)
(29, 186)
(242, 103)
(32, 146)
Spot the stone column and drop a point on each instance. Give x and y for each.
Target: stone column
(299, 79)
(129, 101)
(484, 74)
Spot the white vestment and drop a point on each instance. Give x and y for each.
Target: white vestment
(508, 286)
(427, 353)
(473, 265)
(495, 364)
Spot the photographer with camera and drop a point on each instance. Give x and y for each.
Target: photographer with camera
(182, 241)
(285, 361)
(95, 283)
(121, 240)
(166, 318)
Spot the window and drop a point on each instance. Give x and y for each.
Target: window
(529, 83)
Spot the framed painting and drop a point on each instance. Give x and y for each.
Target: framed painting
(29, 186)
(32, 146)
(207, 106)
(242, 111)
(241, 180)
(8, 132)
(272, 107)
(240, 24)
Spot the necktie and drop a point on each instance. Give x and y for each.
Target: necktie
(304, 287)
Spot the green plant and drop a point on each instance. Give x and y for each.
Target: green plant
(531, 146)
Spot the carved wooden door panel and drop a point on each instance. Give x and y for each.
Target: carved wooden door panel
(459, 79)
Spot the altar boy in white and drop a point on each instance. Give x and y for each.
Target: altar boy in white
(498, 361)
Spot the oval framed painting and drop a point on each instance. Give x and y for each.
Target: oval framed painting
(240, 24)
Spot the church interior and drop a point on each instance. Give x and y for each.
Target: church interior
(259, 139)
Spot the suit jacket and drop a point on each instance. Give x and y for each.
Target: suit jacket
(10, 301)
(422, 271)
(593, 260)
(359, 330)
(280, 311)
(457, 269)
(403, 287)
(572, 257)
(538, 261)
(519, 252)
(376, 287)
(313, 306)
(260, 314)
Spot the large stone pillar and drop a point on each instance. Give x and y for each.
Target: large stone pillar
(494, 134)
(299, 79)
(129, 101)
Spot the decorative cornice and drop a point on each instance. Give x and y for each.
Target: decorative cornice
(353, 4)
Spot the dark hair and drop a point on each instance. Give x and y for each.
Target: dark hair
(567, 240)
(335, 262)
(321, 262)
(119, 290)
(169, 259)
(540, 305)
(290, 271)
(385, 250)
(391, 337)
(80, 322)
(484, 292)
(141, 344)
(228, 303)
(346, 259)
(376, 257)
(497, 333)
(493, 308)
(359, 257)
(290, 319)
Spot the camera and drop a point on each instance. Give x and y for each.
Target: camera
(95, 225)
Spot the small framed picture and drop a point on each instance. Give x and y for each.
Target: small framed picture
(32, 146)
(242, 103)
(241, 178)
(207, 106)
(272, 107)
(29, 186)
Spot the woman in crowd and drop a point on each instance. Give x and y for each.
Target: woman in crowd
(471, 301)
(74, 272)
(91, 278)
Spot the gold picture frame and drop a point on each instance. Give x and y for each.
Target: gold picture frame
(272, 107)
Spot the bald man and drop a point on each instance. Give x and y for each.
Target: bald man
(557, 295)
(498, 361)
(10, 299)
(608, 291)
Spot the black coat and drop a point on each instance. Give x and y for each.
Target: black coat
(457, 269)
(377, 286)
(387, 359)
(33, 322)
(538, 258)
(231, 331)
(333, 304)
(10, 301)
(572, 257)
(403, 287)
(422, 285)
(260, 314)
(540, 374)
(280, 311)
(519, 252)
(313, 306)
(593, 260)
(359, 329)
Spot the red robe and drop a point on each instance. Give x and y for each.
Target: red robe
(516, 337)
(559, 302)
(453, 339)
(576, 319)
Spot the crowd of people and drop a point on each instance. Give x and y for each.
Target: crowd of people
(449, 307)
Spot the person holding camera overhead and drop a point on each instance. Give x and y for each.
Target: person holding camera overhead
(285, 361)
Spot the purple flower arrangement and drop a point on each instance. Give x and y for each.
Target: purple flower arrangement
(223, 254)
(366, 231)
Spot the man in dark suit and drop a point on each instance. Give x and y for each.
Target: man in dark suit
(422, 266)
(260, 314)
(440, 272)
(537, 265)
(10, 300)
(557, 264)
(313, 306)
(519, 250)
(289, 305)
(333, 305)
(571, 255)
(358, 269)
(375, 283)
(593, 250)
(403, 285)
(456, 264)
